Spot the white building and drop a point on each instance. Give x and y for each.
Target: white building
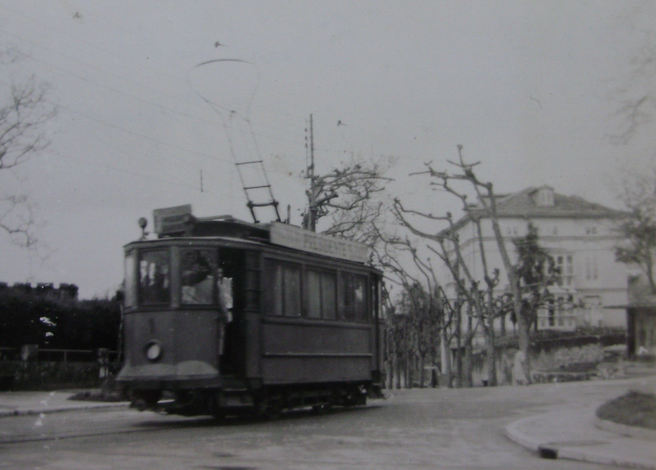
(581, 238)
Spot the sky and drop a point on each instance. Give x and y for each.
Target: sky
(152, 114)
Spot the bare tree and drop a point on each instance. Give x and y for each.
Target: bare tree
(482, 295)
(346, 195)
(430, 313)
(639, 226)
(637, 93)
(24, 111)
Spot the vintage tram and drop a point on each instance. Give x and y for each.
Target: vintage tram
(223, 316)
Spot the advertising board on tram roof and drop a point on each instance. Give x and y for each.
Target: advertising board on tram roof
(301, 239)
(171, 219)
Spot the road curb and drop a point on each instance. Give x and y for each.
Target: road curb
(550, 450)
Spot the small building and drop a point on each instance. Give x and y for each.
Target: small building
(641, 319)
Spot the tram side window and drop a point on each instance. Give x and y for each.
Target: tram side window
(197, 277)
(353, 297)
(321, 296)
(285, 290)
(154, 277)
(129, 285)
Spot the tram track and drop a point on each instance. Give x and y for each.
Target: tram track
(74, 435)
(83, 424)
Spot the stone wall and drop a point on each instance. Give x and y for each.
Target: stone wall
(575, 358)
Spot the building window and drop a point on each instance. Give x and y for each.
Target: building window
(591, 270)
(554, 230)
(565, 266)
(552, 313)
(544, 197)
(591, 230)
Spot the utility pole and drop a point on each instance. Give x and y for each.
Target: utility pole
(316, 199)
(310, 219)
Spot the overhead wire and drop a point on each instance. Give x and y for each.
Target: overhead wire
(131, 172)
(159, 73)
(126, 94)
(245, 118)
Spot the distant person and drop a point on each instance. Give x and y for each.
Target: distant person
(519, 369)
(224, 296)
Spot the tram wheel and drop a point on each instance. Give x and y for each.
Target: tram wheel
(273, 411)
(219, 415)
(322, 409)
(270, 408)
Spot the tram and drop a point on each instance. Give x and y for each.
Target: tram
(223, 316)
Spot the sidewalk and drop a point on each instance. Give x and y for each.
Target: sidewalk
(31, 403)
(577, 434)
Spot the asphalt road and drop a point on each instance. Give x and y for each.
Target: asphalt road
(429, 428)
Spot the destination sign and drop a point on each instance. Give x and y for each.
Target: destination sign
(171, 219)
(300, 239)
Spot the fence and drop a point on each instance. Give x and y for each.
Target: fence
(31, 368)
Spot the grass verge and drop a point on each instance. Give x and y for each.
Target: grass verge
(633, 409)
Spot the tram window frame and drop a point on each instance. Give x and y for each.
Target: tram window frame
(165, 289)
(130, 283)
(318, 303)
(351, 309)
(284, 295)
(187, 296)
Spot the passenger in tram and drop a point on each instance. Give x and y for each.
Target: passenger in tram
(197, 277)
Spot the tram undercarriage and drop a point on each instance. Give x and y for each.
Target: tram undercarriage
(267, 402)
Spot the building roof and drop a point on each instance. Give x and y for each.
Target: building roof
(525, 204)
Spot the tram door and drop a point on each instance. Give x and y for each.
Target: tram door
(231, 288)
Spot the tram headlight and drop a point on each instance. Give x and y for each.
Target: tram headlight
(153, 351)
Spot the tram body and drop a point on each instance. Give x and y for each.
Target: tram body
(222, 318)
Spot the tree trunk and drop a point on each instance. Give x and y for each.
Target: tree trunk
(523, 338)
(389, 377)
(469, 365)
(491, 357)
(459, 347)
(422, 372)
(445, 358)
(408, 372)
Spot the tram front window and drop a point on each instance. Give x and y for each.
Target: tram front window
(154, 277)
(198, 275)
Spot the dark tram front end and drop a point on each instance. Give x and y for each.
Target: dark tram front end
(225, 317)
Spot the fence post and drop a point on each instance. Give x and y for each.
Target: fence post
(29, 352)
(103, 361)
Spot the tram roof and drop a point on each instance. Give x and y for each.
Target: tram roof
(274, 233)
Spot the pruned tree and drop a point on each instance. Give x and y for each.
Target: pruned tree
(636, 96)
(432, 314)
(24, 110)
(482, 295)
(638, 228)
(347, 196)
